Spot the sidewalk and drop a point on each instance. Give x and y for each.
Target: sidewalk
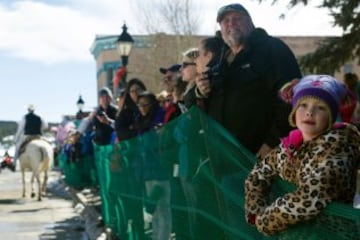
(91, 213)
(87, 203)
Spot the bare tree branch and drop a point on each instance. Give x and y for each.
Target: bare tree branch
(170, 16)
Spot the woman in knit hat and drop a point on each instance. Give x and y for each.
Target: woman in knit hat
(319, 157)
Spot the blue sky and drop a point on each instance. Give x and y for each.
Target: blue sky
(44, 47)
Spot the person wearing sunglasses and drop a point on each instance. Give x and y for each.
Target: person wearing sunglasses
(125, 126)
(150, 169)
(170, 75)
(125, 119)
(189, 74)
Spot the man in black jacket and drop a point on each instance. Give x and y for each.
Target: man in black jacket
(245, 100)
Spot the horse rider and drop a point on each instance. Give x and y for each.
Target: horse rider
(30, 127)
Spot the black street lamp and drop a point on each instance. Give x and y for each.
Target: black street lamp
(80, 104)
(124, 44)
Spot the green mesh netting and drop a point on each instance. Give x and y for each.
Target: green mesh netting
(78, 174)
(200, 145)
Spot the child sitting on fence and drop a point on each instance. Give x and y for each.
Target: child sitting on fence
(319, 157)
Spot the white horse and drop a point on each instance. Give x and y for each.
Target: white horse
(38, 157)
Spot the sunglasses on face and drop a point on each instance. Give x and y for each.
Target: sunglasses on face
(185, 64)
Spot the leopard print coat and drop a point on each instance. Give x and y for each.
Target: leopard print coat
(322, 169)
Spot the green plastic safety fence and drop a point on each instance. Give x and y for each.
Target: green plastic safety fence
(200, 146)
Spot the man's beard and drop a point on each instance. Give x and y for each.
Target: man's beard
(235, 39)
(238, 37)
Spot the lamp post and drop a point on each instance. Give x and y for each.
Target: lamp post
(124, 44)
(80, 104)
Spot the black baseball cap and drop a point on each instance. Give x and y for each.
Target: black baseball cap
(173, 68)
(235, 7)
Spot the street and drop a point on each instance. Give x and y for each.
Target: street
(26, 218)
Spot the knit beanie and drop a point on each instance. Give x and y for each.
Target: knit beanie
(322, 87)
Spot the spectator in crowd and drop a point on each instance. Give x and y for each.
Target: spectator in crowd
(161, 97)
(150, 169)
(211, 51)
(175, 109)
(104, 118)
(189, 74)
(195, 62)
(125, 126)
(65, 127)
(63, 131)
(125, 120)
(319, 157)
(170, 75)
(197, 192)
(241, 93)
(348, 107)
(30, 127)
(174, 102)
(103, 121)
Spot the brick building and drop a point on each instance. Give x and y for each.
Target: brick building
(161, 50)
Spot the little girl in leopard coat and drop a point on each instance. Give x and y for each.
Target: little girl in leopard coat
(319, 157)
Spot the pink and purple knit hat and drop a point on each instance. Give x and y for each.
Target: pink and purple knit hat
(323, 87)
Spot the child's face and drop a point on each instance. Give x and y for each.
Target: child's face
(312, 118)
